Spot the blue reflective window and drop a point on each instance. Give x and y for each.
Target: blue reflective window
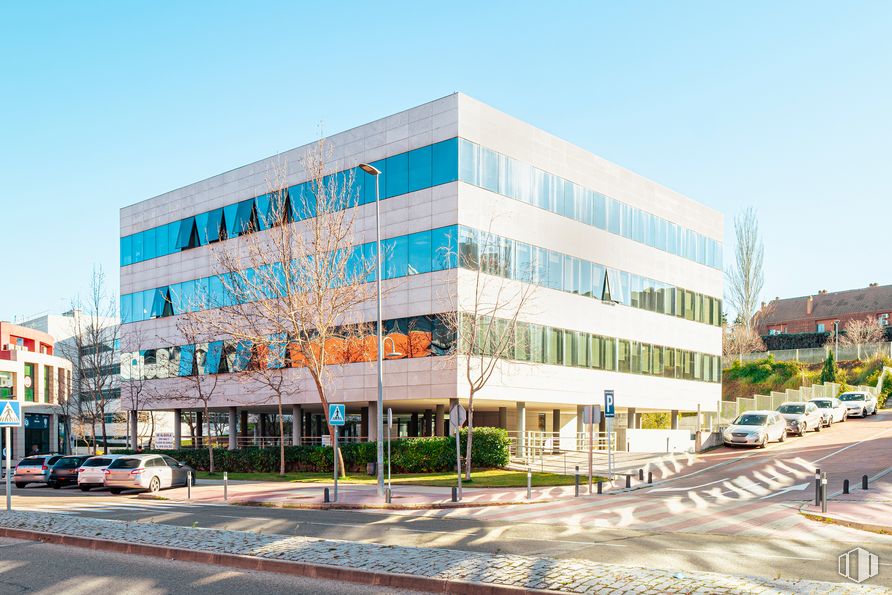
(445, 162)
(523, 262)
(126, 247)
(138, 253)
(397, 175)
(148, 244)
(555, 270)
(215, 350)
(244, 217)
(419, 253)
(214, 222)
(489, 169)
(468, 162)
(420, 168)
(396, 257)
(126, 308)
(443, 248)
(187, 359)
(201, 225)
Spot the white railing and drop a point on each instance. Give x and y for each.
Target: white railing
(816, 355)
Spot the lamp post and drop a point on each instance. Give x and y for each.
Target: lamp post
(836, 333)
(379, 412)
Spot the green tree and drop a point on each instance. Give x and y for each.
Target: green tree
(829, 371)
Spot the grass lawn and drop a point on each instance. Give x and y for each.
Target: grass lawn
(489, 478)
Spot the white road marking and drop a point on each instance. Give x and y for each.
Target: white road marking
(674, 549)
(801, 486)
(702, 485)
(832, 454)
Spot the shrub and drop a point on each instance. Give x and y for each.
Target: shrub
(410, 455)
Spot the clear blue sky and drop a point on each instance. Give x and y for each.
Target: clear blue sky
(784, 106)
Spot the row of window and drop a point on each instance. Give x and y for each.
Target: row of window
(563, 347)
(420, 168)
(509, 177)
(509, 258)
(436, 250)
(413, 254)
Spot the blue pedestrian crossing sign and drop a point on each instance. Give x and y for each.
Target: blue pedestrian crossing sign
(10, 414)
(608, 404)
(337, 414)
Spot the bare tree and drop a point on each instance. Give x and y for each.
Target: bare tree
(746, 276)
(136, 388)
(863, 331)
(296, 287)
(738, 339)
(92, 351)
(485, 315)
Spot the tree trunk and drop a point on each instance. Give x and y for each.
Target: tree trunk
(210, 442)
(470, 437)
(339, 454)
(93, 427)
(104, 434)
(281, 438)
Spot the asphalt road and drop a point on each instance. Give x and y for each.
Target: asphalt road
(42, 569)
(853, 448)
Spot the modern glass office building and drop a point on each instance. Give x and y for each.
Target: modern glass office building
(627, 276)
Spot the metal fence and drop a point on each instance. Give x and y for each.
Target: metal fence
(816, 355)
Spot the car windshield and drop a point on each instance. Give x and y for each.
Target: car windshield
(851, 397)
(750, 419)
(125, 464)
(791, 408)
(823, 404)
(67, 463)
(99, 462)
(31, 462)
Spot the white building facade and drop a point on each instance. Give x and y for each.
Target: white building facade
(628, 277)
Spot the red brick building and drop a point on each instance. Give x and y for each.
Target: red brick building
(816, 313)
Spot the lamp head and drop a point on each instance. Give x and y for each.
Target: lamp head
(369, 169)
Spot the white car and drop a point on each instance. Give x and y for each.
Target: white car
(832, 409)
(801, 417)
(91, 473)
(859, 403)
(755, 428)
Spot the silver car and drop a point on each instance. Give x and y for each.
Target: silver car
(34, 469)
(859, 403)
(145, 472)
(801, 417)
(832, 409)
(755, 428)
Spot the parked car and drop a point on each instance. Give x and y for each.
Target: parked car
(64, 471)
(91, 473)
(34, 469)
(859, 403)
(801, 417)
(145, 472)
(832, 409)
(756, 428)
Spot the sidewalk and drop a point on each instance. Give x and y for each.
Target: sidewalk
(868, 510)
(311, 495)
(433, 569)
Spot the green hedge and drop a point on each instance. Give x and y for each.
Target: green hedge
(409, 455)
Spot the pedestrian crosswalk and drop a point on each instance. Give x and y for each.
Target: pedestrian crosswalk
(106, 507)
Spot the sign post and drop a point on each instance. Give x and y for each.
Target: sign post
(336, 418)
(10, 417)
(609, 413)
(457, 417)
(591, 414)
(389, 438)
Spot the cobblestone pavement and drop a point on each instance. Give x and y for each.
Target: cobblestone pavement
(570, 576)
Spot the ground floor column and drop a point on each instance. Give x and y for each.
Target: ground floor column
(556, 429)
(373, 421)
(233, 428)
(631, 418)
(503, 418)
(413, 425)
(243, 426)
(297, 414)
(674, 419)
(426, 427)
(521, 428)
(54, 434)
(364, 422)
(177, 429)
(199, 428)
(439, 420)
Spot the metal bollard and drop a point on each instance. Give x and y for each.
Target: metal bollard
(600, 487)
(326, 498)
(387, 495)
(823, 492)
(650, 477)
(577, 480)
(529, 483)
(454, 494)
(817, 487)
(188, 485)
(863, 482)
(628, 481)
(225, 486)
(845, 486)
(641, 475)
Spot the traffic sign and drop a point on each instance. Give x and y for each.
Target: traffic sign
(389, 418)
(337, 414)
(457, 416)
(608, 404)
(587, 414)
(11, 415)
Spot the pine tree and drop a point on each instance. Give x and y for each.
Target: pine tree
(829, 371)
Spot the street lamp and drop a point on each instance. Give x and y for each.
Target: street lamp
(379, 414)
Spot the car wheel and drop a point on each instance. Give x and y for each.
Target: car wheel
(874, 411)
(154, 485)
(783, 436)
(819, 426)
(803, 429)
(84, 488)
(115, 491)
(56, 485)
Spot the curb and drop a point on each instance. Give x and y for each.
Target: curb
(320, 571)
(835, 520)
